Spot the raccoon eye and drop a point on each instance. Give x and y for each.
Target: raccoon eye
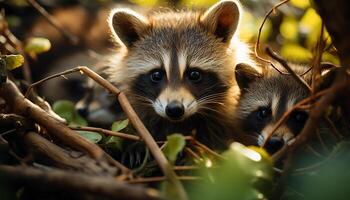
(300, 116)
(263, 113)
(194, 75)
(156, 76)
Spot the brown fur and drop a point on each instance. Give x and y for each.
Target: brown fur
(178, 41)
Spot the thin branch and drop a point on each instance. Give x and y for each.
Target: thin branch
(257, 44)
(107, 132)
(39, 147)
(72, 38)
(74, 182)
(341, 82)
(159, 179)
(20, 105)
(192, 153)
(284, 63)
(288, 112)
(135, 120)
(208, 150)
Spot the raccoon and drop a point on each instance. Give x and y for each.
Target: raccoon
(177, 69)
(265, 97)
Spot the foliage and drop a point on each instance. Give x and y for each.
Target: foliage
(174, 145)
(37, 45)
(13, 61)
(66, 110)
(244, 174)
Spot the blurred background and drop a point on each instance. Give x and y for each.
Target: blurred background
(292, 30)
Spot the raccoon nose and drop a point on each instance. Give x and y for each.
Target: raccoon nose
(175, 110)
(274, 144)
(83, 111)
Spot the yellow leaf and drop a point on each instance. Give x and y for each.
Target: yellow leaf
(250, 29)
(289, 28)
(300, 3)
(198, 3)
(37, 45)
(327, 57)
(296, 53)
(147, 3)
(310, 21)
(14, 61)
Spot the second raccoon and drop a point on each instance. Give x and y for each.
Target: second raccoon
(177, 69)
(265, 97)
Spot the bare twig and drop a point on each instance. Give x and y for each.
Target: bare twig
(341, 82)
(17, 45)
(72, 38)
(257, 44)
(42, 148)
(288, 112)
(135, 120)
(23, 106)
(54, 179)
(208, 150)
(159, 179)
(107, 132)
(287, 67)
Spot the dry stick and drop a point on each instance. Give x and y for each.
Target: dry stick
(257, 44)
(341, 82)
(40, 147)
(18, 46)
(135, 120)
(72, 38)
(158, 179)
(50, 77)
(205, 148)
(334, 129)
(319, 137)
(74, 182)
(192, 153)
(288, 112)
(23, 106)
(183, 168)
(287, 67)
(107, 132)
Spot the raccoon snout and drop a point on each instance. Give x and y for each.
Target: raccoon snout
(274, 144)
(175, 110)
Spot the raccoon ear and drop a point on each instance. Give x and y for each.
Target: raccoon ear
(328, 73)
(222, 19)
(246, 74)
(127, 26)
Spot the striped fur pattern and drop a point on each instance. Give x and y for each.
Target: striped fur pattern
(265, 98)
(178, 46)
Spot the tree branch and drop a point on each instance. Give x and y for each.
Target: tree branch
(76, 182)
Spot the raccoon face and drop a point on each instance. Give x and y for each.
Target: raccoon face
(264, 99)
(176, 64)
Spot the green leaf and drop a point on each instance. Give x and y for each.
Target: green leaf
(174, 145)
(13, 61)
(66, 110)
(37, 45)
(168, 190)
(120, 125)
(244, 174)
(113, 142)
(92, 136)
